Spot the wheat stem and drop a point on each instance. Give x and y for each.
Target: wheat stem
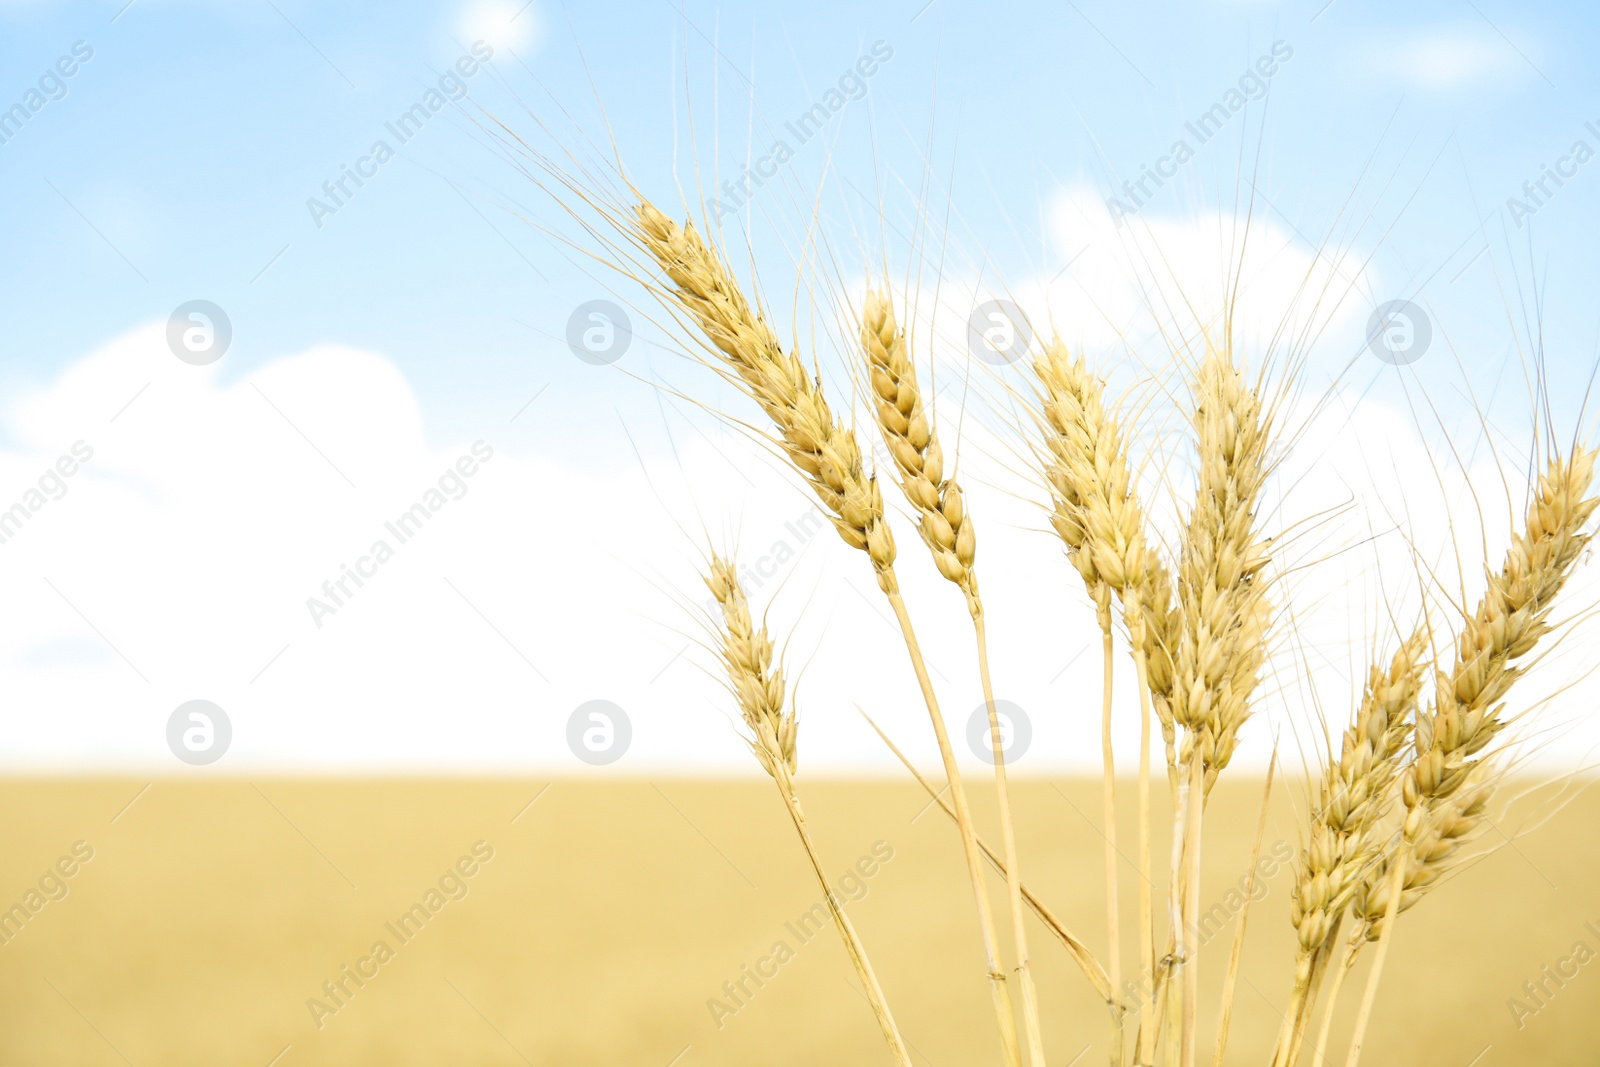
(1109, 790)
(1370, 995)
(1191, 917)
(999, 993)
(1008, 840)
(847, 931)
(1340, 973)
(1147, 922)
(1225, 1019)
(1075, 948)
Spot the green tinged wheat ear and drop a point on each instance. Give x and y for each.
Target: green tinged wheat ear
(1447, 787)
(824, 449)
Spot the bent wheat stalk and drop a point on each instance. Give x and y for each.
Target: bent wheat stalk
(758, 689)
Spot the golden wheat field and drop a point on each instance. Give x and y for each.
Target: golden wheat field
(599, 923)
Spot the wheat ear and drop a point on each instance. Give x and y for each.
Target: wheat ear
(1343, 842)
(826, 453)
(822, 448)
(1445, 788)
(1098, 518)
(758, 689)
(947, 530)
(1223, 606)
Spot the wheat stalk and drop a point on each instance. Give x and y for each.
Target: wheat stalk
(947, 530)
(1223, 606)
(758, 690)
(826, 453)
(1446, 788)
(1097, 515)
(1343, 842)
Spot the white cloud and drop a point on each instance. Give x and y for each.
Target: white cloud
(179, 562)
(1446, 59)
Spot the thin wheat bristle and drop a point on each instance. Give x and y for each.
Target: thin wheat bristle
(1447, 787)
(824, 449)
(910, 437)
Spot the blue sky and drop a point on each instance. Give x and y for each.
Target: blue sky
(179, 163)
(374, 345)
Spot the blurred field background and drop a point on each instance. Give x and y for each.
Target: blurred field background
(612, 912)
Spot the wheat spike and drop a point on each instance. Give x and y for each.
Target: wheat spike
(948, 532)
(1445, 789)
(910, 438)
(1222, 599)
(824, 449)
(758, 686)
(1344, 841)
(1355, 790)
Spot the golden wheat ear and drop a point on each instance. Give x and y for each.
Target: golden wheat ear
(948, 532)
(1447, 787)
(1097, 515)
(759, 691)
